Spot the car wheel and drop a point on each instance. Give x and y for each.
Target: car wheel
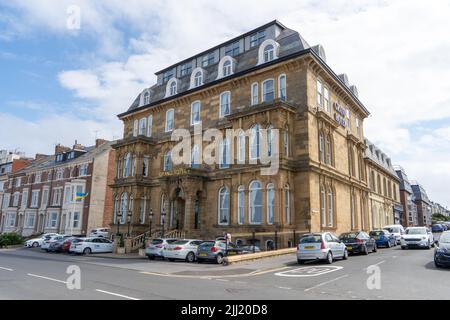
(389, 245)
(171, 260)
(300, 261)
(345, 256)
(366, 251)
(375, 249)
(87, 251)
(190, 257)
(329, 259)
(35, 245)
(219, 259)
(403, 248)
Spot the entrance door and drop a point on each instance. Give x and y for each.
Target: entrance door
(179, 207)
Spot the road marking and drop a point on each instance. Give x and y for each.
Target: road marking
(116, 294)
(309, 271)
(7, 269)
(286, 288)
(375, 265)
(257, 272)
(46, 278)
(223, 280)
(325, 283)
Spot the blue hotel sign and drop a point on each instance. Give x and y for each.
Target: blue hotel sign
(340, 114)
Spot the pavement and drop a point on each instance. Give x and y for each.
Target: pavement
(387, 274)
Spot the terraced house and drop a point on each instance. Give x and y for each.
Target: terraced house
(266, 80)
(385, 203)
(42, 197)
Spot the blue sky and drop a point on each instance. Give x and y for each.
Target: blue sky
(58, 84)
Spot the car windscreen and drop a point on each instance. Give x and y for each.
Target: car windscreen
(180, 242)
(311, 239)
(445, 238)
(208, 244)
(157, 241)
(171, 241)
(352, 235)
(416, 231)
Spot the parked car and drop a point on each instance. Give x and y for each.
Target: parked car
(56, 246)
(99, 233)
(67, 243)
(156, 247)
(215, 251)
(437, 228)
(249, 249)
(91, 245)
(396, 230)
(37, 242)
(442, 251)
(47, 242)
(417, 237)
(321, 246)
(383, 238)
(358, 242)
(181, 250)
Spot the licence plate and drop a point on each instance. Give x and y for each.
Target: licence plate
(202, 255)
(309, 248)
(232, 252)
(376, 238)
(349, 248)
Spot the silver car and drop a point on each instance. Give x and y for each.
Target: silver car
(182, 250)
(321, 246)
(156, 247)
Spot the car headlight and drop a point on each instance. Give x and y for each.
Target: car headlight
(424, 238)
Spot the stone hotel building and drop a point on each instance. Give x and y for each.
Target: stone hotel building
(266, 80)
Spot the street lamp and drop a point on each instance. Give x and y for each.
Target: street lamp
(150, 219)
(163, 216)
(129, 221)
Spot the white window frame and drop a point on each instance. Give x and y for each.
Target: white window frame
(149, 125)
(220, 208)
(24, 200)
(16, 197)
(241, 205)
(270, 190)
(255, 146)
(135, 128)
(226, 93)
(287, 204)
(326, 99)
(319, 91)
(142, 126)
(224, 153)
(282, 90)
(28, 215)
(193, 112)
(254, 89)
(263, 93)
(251, 205)
(34, 199)
(169, 128)
(44, 201)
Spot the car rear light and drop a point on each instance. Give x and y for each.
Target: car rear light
(322, 246)
(178, 248)
(359, 241)
(213, 249)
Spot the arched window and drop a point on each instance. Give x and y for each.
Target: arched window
(330, 208)
(195, 113)
(127, 166)
(329, 150)
(241, 205)
(270, 204)
(224, 206)
(286, 140)
(124, 208)
(268, 91)
(169, 120)
(149, 125)
(321, 147)
(225, 151)
(241, 146)
(135, 128)
(168, 161)
(255, 202)
(146, 97)
(116, 209)
(255, 97)
(225, 101)
(255, 137)
(323, 206)
(198, 79)
(269, 140)
(142, 126)
(269, 53)
(142, 208)
(195, 156)
(227, 68)
(287, 204)
(173, 88)
(282, 87)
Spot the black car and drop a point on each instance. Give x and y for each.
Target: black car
(442, 251)
(358, 242)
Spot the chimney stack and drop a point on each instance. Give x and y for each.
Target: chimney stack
(60, 149)
(99, 142)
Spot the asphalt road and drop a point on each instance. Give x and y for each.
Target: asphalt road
(387, 274)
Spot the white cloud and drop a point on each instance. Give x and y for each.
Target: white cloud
(394, 51)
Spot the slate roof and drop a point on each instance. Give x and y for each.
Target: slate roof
(405, 185)
(420, 193)
(290, 41)
(379, 157)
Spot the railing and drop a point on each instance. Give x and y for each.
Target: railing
(178, 234)
(138, 241)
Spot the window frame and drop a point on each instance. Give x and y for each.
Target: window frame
(251, 204)
(221, 114)
(171, 111)
(223, 192)
(193, 122)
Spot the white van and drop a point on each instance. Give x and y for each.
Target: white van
(396, 230)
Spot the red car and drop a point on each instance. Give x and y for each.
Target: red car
(66, 245)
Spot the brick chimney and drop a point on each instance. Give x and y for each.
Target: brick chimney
(77, 146)
(99, 142)
(60, 149)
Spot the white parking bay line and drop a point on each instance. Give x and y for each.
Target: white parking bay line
(6, 269)
(327, 282)
(46, 278)
(116, 294)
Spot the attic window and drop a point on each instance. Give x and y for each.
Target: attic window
(186, 69)
(167, 75)
(146, 98)
(257, 38)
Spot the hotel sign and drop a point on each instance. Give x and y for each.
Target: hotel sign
(176, 172)
(340, 115)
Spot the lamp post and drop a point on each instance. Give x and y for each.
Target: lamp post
(163, 217)
(129, 222)
(150, 220)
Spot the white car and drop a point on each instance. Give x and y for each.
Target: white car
(99, 233)
(55, 238)
(91, 245)
(417, 237)
(37, 242)
(156, 247)
(396, 230)
(182, 250)
(321, 246)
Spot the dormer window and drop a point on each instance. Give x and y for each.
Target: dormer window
(257, 38)
(227, 68)
(232, 49)
(146, 98)
(268, 51)
(185, 69)
(168, 75)
(208, 59)
(173, 88)
(197, 78)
